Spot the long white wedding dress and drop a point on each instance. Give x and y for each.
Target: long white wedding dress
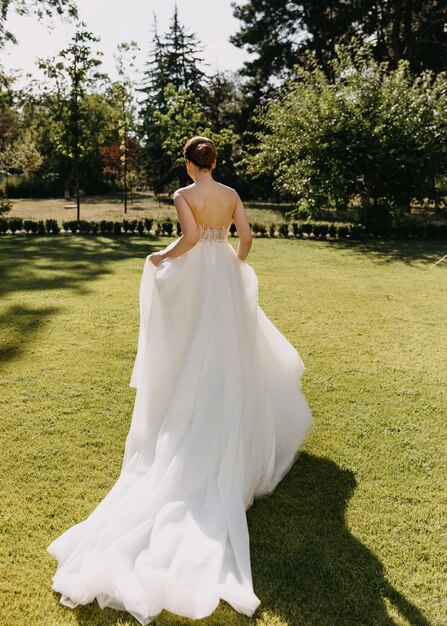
(218, 419)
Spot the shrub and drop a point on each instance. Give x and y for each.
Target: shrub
(70, 225)
(117, 228)
(358, 231)
(41, 228)
(15, 223)
(3, 225)
(272, 229)
(167, 227)
(106, 227)
(297, 229)
(320, 229)
(31, 226)
(284, 229)
(233, 229)
(148, 222)
(259, 229)
(52, 227)
(307, 228)
(179, 229)
(140, 227)
(343, 231)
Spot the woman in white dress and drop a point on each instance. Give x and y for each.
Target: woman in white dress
(218, 419)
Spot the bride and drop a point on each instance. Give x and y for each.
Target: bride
(218, 419)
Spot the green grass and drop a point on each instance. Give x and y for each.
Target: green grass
(352, 535)
(110, 207)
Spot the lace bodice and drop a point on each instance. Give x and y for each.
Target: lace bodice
(213, 233)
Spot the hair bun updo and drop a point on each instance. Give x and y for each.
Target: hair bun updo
(201, 151)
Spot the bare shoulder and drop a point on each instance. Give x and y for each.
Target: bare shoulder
(178, 192)
(229, 191)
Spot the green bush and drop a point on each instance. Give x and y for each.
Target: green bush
(106, 227)
(259, 229)
(355, 130)
(52, 227)
(167, 227)
(343, 231)
(283, 229)
(15, 223)
(148, 223)
(31, 226)
(297, 229)
(406, 227)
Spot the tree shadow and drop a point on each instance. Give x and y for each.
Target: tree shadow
(19, 323)
(307, 566)
(410, 252)
(31, 264)
(308, 569)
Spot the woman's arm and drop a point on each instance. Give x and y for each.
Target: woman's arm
(190, 232)
(243, 230)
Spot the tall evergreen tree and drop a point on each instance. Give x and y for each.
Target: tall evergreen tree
(173, 61)
(182, 51)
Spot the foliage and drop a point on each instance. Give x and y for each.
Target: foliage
(74, 70)
(405, 227)
(368, 136)
(173, 67)
(279, 34)
(39, 8)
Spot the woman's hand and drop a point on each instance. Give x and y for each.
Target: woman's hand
(156, 258)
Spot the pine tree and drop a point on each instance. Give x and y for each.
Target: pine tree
(173, 60)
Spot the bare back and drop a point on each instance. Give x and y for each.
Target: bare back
(211, 203)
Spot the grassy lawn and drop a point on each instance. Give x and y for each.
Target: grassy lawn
(354, 533)
(111, 208)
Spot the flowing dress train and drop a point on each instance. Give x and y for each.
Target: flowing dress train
(218, 419)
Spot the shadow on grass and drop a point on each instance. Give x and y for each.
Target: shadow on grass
(307, 566)
(29, 264)
(386, 251)
(18, 324)
(308, 569)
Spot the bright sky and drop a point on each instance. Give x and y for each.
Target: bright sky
(116, 21)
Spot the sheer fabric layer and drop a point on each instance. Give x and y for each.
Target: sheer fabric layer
(218, 419)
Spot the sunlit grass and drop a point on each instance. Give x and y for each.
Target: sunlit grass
(111, 207)
(353, 534)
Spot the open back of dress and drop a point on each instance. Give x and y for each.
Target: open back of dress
(218, 420)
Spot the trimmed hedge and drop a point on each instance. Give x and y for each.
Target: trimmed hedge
(410, 228)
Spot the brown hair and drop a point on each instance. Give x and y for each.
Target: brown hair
(201, 151)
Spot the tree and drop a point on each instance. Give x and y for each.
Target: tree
(39, 8)
(78, 63)
(174, 61)
(19, 157)
(370, 136)
(125, 59)
(280, 33)
(413, 30)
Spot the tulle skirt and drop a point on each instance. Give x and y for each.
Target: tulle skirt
(218, 419)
